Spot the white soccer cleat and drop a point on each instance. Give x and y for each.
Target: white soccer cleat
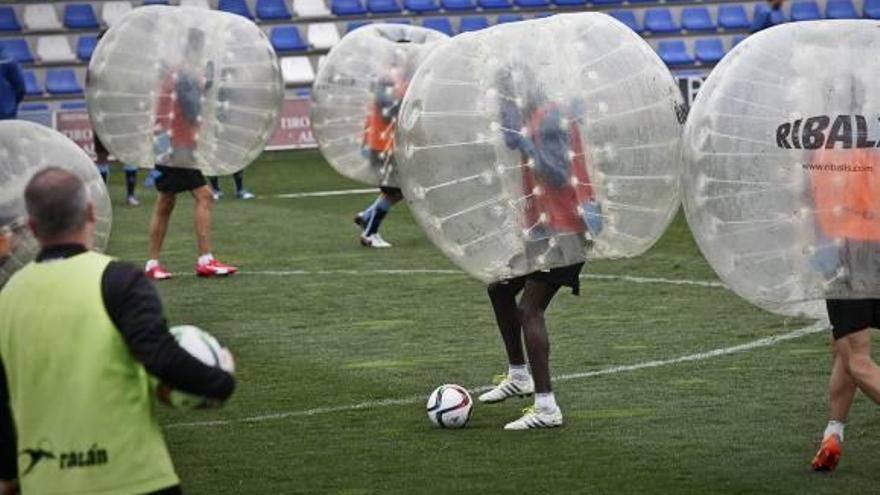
(374, 241)
(508, 387)
(533, 417)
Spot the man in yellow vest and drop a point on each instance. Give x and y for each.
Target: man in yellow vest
(79, 334)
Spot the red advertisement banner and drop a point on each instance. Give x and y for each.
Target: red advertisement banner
(294, 129)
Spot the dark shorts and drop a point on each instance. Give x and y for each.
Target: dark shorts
(849, 316)
(564, 276)
(99, 146)
(391, 191)
(177, 180)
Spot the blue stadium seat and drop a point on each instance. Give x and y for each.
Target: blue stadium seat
(607, 2)
(473, 23)
(697, 19)
(33, 107)
(763, 10)
(505, 18)
(840, 9)
(31, 86)
(8, 20)
(397, 21)
(872, 9)
(494, 4)
(347, 7)
(627, 17)
(73, 105)
(570, 3)
(287, 39)
(85, 46)
(62, 82)
(420, 6)
(18, 49)
(660, 21)
(383, 6)
(441, 24)
(733, 17)
(239, 7)
(644, 1)
(272, 9)
(674, 52)
(528, 4)
(805, 11)
(80, 16)
(458, 4)
(737, 40)
(154, 2)
(709, 50)
(355, 24)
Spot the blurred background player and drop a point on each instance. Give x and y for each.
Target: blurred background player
(240, 191)
(12, 87)
(177, 126)
(560, 205)
(79, 334)
(379, 132)
(767, 16)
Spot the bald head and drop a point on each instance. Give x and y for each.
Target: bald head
(58, 205)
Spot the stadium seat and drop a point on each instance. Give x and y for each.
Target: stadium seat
(397, 21)
(85, 46)
(872, 9)
(196, 4)
(54, 48)
(348, 7)
(472, 23)
(458, 4)
(310, 8)
(80, 16)
(62, 82)
(569, 3)
(627, 17)
(239, 7)
(421, 6)
(733, 17)
(696, 19)
(531, 4)
(322, 35)
(674, 52)
(354, 25)
(505, 18)
(73, 105)
(31, 86)
(737, 40)
(19, 50)
(644, 1)
(441, 24)
(33, 107)
(805, 11)
(709, 51)
(840, 9)
(113, 11)
(8, 20)
(660, 21)
(41, 17)
(268, 10)
(154, 2)
(287, 39)
(383, 6)
(607, 2)
(494, 4)
(297, 70)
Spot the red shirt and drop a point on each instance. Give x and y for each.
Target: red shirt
(169, 114)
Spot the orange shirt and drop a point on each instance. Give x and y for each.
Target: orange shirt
(169, 113)
(846, 192)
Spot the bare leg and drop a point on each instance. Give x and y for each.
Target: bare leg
(503, 297)
(159, 224)
(841, 388)
(855, 348)
(204, 200)
(535, 299)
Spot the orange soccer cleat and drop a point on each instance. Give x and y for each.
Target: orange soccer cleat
(157, 272)
(829, 454)
(215, 268)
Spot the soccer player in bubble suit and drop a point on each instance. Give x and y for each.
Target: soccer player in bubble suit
(850, 262)
(176, 130)
(379, 145)
(560, 213)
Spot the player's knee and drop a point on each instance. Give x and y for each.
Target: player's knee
(203, 196)
(859, 363)
(530, 313)
(165, 204)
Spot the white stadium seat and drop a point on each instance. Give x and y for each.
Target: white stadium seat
(201, 4)
(310, 8)
(55, 49)
(113, 11)
(323, 35)
(297, 70)
(41, 17)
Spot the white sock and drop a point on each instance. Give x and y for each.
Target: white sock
(150, 265)
(519, 372)
(834, 428)
(205, 259)
(546, 401)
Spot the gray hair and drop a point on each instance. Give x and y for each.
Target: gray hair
(56, 201)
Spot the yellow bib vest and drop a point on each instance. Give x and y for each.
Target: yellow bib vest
(82, 405)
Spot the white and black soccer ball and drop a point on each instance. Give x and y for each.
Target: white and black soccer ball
(204, 347)
(450, 406)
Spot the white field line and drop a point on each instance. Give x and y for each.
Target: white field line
(611, 370)
(322, 194)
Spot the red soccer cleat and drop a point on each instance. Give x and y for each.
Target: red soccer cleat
(157, 272)
(214, 268)
(829, 454)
